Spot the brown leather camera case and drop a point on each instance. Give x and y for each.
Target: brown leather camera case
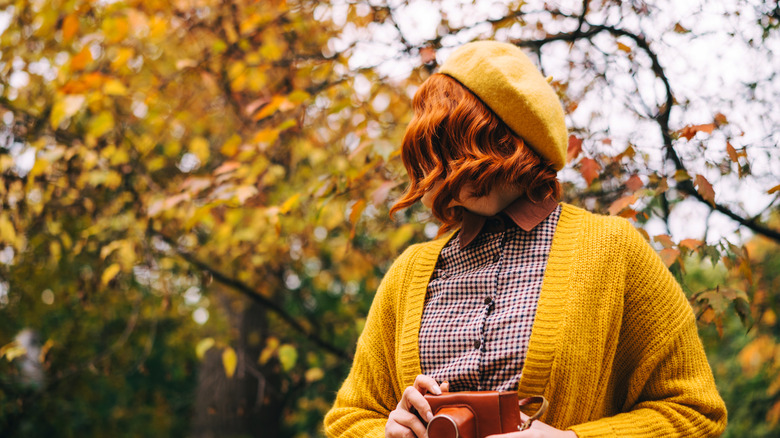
(474, 414)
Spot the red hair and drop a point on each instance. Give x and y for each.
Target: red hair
(456, 139)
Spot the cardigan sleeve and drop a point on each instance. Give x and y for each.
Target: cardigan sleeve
(370, 393)
(669, 387)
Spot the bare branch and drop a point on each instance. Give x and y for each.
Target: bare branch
(662, 118)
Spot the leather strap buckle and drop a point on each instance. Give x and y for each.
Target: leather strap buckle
(542, 409)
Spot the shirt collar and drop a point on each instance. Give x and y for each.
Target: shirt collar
(525, 213)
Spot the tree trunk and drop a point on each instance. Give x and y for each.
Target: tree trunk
(249, 404)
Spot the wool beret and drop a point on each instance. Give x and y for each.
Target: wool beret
(506, 80)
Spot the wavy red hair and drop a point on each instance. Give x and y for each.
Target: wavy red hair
(455, 138)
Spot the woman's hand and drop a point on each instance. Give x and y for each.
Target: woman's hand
(402, 423)
(537, 430)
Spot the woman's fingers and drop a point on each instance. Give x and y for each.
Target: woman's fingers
(400, 422)
(413, 398)
(425, 384)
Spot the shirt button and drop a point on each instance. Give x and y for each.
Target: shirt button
(488, 300)
(477, 343)
(496, 258)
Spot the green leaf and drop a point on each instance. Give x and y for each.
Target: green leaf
(288, 355)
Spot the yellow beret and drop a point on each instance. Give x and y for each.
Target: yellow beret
(506, 80)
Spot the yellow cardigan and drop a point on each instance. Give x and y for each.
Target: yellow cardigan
(614, 346)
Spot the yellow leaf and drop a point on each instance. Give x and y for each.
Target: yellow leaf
(200, 147)
(239, 82)
(314, 374)
(774, 189)
(271, 50)
(289, 203)
(681, 175)
(230, 147)
(108, 249)
(55, 251)
(270, 107)
(203, 346)
(172, 148)
(229, 361)
(100, 125)
(123, 55)
(115, 29)
(158, 27)
(288, 355)
(250, 23)
(65, 108)
(143, 144)
(119, 157)
(113, 87)
(110, 273)
(401, 236)
(266, 136)
(298, 96)
(287, 124)
(624, 47)
(230, 32)
(6, 162)
(271, 344)
(12, 350)
(45, 350)
(7, 231)
(113, 179)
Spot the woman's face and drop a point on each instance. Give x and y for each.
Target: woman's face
(491, 204)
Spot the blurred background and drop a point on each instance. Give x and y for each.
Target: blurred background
(195, 193)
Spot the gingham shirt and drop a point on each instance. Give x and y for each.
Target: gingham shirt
(481, 299)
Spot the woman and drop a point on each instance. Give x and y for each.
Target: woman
(526, 294)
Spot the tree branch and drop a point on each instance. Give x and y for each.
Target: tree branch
(662, 118)
(250, 293)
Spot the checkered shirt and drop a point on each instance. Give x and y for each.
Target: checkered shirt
(481, 303)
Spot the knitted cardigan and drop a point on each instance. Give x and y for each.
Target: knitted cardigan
(614, 346)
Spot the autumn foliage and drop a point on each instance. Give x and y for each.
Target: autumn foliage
(195, 194)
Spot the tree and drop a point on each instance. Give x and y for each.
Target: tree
(235, 162)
